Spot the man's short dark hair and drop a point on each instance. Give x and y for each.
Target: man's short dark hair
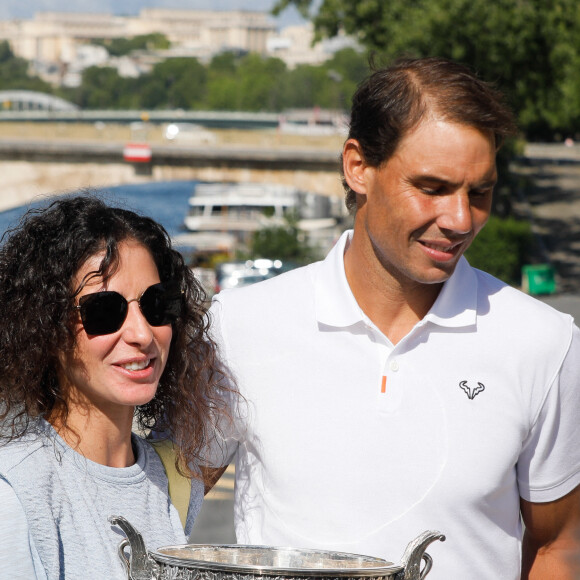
(393, 100)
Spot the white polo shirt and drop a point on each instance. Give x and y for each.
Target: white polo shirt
(352, 444)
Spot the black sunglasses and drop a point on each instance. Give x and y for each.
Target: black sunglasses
(105, 312)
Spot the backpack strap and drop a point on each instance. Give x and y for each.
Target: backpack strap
(179, 486)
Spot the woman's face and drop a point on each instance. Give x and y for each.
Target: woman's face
(115, 372)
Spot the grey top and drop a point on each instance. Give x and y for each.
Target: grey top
(55, 504)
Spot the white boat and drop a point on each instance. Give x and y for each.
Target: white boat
(223, 216)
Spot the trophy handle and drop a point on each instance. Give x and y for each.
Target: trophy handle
(138, 564)
(415, 553)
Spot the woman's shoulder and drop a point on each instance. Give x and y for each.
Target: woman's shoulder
(22, 451)
(16, 554)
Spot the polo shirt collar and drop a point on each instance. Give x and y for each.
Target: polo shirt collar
(334, 301)
(456, 304)
(336, 305)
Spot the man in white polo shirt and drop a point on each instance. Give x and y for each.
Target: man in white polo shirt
(391, 388)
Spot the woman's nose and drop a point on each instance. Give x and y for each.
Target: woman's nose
(136, 329)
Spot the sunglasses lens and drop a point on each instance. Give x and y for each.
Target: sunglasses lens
(161, 303)
(103, 312)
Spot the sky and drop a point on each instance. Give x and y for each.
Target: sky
(18, 9)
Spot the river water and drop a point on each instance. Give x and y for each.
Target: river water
(165, 202)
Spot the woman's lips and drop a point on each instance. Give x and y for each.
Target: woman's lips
(136, 365)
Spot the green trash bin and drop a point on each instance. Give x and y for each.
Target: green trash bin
(538, 279)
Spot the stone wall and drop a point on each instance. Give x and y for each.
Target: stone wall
(24, 181)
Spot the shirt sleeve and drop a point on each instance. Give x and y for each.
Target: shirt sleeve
(549, 465)
(16, 551)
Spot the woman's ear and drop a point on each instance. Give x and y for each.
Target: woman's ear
(354, 166)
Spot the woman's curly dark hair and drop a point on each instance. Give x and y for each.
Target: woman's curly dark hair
(38, 263)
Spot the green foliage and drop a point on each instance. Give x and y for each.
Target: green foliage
(230, 81)
(249, 83)
(223, 91)
(223, 94)
(223, 63)
(260, 83)
(124, 46)
(330, 85)
(285, 242)
(180, 83)
(173, 83)
(101, 88)
(502, 248)
(14, 73)
(307, 86)
(5, 52)
(531, 48)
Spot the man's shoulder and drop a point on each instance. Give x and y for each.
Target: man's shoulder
(511, 307)
(263, 310)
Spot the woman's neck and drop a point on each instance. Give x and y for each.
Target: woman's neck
(97, 437)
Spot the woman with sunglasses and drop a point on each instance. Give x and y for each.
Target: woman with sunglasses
(103, 325)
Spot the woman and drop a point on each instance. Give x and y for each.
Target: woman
(102, 325)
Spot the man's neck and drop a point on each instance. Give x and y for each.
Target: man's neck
(394, 306)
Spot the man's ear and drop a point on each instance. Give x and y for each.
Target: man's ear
(354, 166)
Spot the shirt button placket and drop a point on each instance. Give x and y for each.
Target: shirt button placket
(390, 395)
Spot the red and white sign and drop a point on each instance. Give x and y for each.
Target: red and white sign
(137, 153)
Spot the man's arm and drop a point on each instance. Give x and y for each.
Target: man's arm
(551, 544)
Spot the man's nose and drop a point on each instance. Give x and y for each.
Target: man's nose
(456, 213)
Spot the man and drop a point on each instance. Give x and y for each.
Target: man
(391, 388)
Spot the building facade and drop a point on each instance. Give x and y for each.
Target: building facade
(56, 42)
(59, 45)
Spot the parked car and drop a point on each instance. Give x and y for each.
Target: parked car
(189, 132)
(239, 274)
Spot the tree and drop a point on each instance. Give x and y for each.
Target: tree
(223, 93)
(223, 63)
(14, 73)
(285, 242)
(531, 48)
(347, 67)
(502, 248)
(249, 82)
(123, 46)
(102, 88)
(306, 86)
(179, 83)
(261, 83)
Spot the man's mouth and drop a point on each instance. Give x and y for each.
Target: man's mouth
(440, 247)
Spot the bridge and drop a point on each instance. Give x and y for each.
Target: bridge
(33, 168)
(33, 101)
(28, 106)
(48, 146)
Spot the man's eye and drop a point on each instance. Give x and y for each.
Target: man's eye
(432, 190)
(480, 192)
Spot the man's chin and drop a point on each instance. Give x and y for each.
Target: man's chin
(437, 275)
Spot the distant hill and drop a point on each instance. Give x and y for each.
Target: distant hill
(16, 9)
